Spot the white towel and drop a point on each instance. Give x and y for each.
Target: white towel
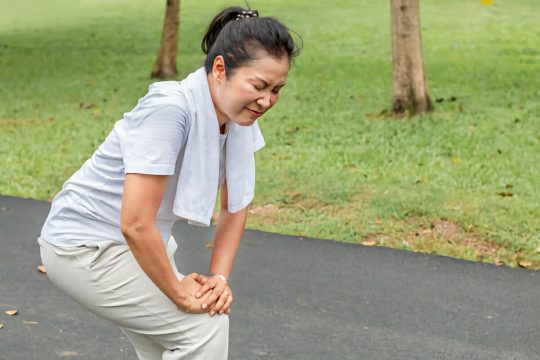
(197, 186)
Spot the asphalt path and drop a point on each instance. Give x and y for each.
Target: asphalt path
(295, 298)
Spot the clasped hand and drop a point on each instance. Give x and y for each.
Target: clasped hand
(206, 294)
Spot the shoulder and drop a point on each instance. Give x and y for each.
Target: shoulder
(165, 93)
(164, 98)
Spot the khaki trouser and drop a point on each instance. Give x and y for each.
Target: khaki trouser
(105, 278)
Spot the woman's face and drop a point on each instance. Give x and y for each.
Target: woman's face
(251, 90)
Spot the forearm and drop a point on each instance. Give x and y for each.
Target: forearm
(147, 247)
(229, 231)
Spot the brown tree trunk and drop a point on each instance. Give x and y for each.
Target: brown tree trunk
(165, 65)
(409, 86)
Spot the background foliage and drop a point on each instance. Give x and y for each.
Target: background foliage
(462, 181)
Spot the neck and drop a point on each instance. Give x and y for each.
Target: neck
(222, 119)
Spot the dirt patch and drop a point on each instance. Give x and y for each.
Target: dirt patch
(376, 239)
(447, 237)
(10, 125)
(266, 209)
(440, 236)
(267, 214)
(447, 229)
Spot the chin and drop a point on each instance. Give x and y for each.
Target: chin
(245, 122)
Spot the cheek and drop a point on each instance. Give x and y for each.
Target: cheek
(238, 96)
(244, 97)
(275, 99)
(232, 100)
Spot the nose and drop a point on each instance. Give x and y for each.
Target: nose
(265, 101)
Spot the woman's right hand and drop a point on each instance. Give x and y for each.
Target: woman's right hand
(191, 284)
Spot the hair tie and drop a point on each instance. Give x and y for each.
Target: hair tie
(246, 14)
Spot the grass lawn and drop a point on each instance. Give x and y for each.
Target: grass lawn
(462, 181)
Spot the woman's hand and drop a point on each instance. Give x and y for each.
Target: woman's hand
(216, 295)
(190, 285)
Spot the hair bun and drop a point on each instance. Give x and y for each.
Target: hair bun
(237, 40)
(220, 20)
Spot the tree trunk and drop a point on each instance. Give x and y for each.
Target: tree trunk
(409, 86)
(165, 65)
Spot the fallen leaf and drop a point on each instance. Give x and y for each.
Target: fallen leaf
(209, 245)
(456, 160)
(12, 312)
(378, 221)
(486, 2)
(41, 269)
(424, 232)
(524, 264)
(499, 262)
(84, 105)
(291, 130)
(293, 193)
(369, 242)
(30, 322)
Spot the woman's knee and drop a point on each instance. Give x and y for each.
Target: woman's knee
(213, 328)
(219, 324)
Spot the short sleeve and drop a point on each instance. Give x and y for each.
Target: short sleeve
(152, 134)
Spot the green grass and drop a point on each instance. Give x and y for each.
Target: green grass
(332, 167)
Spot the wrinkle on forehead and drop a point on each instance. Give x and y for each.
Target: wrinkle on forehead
(268, 68)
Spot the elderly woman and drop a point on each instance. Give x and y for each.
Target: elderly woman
(107, 240)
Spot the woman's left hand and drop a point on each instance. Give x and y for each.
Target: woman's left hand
(220, 298)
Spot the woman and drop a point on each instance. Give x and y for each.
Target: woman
(107, 239)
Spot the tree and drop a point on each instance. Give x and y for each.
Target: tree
(409, 86)
(165, 65)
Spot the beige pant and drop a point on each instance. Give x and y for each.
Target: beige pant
(105, 278)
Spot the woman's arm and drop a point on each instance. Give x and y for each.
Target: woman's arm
(229, 231)
(140, 202)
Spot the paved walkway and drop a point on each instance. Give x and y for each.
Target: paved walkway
(294, 299)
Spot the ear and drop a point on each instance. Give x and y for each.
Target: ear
(218, 68)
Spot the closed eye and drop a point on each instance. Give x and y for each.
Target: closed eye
(278, 89)
(274, 91)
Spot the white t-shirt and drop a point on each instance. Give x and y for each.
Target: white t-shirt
(150, 139)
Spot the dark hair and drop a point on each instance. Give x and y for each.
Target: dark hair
(237, 40)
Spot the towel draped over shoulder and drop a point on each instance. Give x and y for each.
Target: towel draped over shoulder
(197, 185)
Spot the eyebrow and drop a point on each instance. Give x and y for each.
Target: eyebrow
(266, 83)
